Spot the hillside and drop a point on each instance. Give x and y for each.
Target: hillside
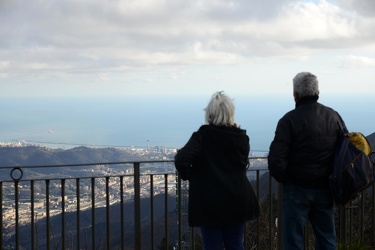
(371, 140)
(115, 225)
(43, 156)
(33, 155)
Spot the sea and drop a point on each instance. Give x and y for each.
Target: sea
(146, 121)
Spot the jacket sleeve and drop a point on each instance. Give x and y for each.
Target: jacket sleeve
(342, 126)
(279, 152)
(187, 156)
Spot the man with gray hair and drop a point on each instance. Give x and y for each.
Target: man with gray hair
(301, 158)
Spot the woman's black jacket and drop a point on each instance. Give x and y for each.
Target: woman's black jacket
(215, 160)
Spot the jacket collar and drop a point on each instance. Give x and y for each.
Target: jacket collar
(306, 100)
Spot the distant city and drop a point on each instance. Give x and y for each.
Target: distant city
(160, 172)
(157, 153)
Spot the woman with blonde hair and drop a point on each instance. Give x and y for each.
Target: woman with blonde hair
(215, 161)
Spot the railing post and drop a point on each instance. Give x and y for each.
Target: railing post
(137, 206)
(166, 210)
(362, 208)
(280, 218)
(193, 237)
(122, 210)
(258, 196)
(93, 220)
(179, 208)
(342, 224)
(32, 198)
(373, 215)
(108, 222)
(372, 158)
(78, 195)
(152, 211)
(63, 213)
(1, 215)
(270, 233)
(48, 233)
(17, 213)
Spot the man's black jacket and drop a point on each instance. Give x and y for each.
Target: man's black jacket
(304, 144)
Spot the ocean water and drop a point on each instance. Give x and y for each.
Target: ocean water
(155, 121)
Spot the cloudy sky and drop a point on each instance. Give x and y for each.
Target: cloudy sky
(175, 47)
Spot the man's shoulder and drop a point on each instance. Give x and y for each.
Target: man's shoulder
(289, 114)
(305, 111)
(327, 108)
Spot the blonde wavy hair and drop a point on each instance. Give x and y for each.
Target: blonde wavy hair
(220, 110)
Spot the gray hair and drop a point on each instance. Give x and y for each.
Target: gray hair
(220, 110)
(305, 84)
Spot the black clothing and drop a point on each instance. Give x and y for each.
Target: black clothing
(304, 144)
(215, 160)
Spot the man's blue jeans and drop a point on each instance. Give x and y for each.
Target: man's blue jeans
(231, 236)
(302, 204)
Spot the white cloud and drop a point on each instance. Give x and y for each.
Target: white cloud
(104, 77)
(362, 7)
(4, 64)
(78, 39)
(356, 62)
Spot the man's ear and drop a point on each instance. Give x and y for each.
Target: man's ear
(295, 96)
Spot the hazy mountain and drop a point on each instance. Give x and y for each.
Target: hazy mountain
(33, 155)
(43, 156)
(371, 140)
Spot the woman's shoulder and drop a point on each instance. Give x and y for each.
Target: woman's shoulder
(209, 128)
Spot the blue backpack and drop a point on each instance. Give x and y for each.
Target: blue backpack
(352, 168)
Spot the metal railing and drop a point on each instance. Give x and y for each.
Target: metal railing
(138, 205)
